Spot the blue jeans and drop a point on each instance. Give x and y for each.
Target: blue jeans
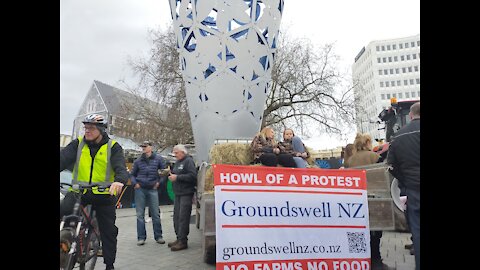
(300, 162)
(147, 197)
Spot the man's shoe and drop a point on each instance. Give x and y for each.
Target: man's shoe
(171, 244)
(408, 246)
(179, 246)
(141, 242)
(110, 267)
(160, 240)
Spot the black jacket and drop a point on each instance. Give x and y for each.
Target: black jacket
(68, 156)
(404, 155)
(145, 170)
(186, 172)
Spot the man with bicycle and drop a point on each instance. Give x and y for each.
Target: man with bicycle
(97, 159)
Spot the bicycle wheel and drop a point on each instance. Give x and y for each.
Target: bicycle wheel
(67, 261)
(90, 254)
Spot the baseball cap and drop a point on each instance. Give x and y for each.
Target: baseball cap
(145, 143)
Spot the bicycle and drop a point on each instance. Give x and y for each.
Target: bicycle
(79, 233)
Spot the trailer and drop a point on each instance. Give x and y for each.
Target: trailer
(383, 214)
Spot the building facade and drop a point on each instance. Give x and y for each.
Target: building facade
(382, 70)
(111, 102)
(64, 140)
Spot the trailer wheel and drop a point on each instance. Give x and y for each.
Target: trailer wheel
(210, 255)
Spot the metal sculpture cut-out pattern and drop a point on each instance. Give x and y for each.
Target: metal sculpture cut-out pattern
(226, 50)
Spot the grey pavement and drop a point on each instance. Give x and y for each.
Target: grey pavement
(153, 256)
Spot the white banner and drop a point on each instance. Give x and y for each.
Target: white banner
(290, 224)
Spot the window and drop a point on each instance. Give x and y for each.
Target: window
(411, 81)
(406, 45)
(395, 58)
(385, 71)
(405, 82)
(391, 71)
(384, 59)
(388, 96)
(383, 96)
(387, 84)
(407, 95)
(399, 83)
(400, 46)
(404, 70)
(380, 72)
(418, 80)
(413, 44)
(408, 56)
(397, 71)
(378, 48)
(379, 60)
(413, 94)
(388, 47)
(389, 59)
(416, 68)
(381, 84)
(418, 43)
(393, 83)
(409, 69)
(400, 95)
(402, 58)
(414, 56)
(394, 46)
(383, 48)
(394, 95)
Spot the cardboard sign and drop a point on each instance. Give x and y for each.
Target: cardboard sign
(285, 218)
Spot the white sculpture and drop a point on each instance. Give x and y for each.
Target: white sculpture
(226, 52)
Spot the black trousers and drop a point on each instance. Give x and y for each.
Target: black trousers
(182, 209)
(375, 237)
(272, 160)
(104, 206)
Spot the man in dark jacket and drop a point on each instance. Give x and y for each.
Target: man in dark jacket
(146, 180)
(404, 159)
(97, 159)
(184, 182)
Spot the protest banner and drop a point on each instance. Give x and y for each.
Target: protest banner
(284, 218)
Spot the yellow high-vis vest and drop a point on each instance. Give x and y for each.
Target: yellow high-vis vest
(101, 172)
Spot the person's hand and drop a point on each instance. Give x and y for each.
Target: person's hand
(172, 177)
(304, 155)
(156, 185)
(115, 188)
(276, 151)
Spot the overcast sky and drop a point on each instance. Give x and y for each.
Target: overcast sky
(97, 37)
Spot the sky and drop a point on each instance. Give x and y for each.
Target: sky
(98, 37)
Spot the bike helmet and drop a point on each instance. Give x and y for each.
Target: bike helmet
(96, 119)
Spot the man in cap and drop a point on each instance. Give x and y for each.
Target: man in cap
(146, 180)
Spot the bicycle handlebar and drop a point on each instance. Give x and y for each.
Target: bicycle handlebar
(83, 187)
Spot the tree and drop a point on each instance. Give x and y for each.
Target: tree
(160, 81)
(303, 91)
